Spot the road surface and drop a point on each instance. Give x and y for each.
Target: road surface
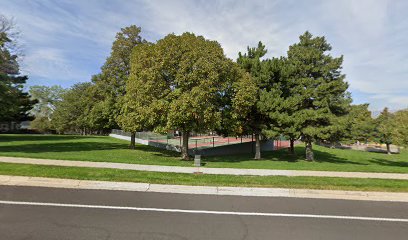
(51, 213)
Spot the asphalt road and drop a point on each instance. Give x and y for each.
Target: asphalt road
(50, 213)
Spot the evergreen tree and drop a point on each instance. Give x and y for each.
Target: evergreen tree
(361, 124)
(15, 104)
(385, 128)
(317, 90)
(278, 104)
(255, 121)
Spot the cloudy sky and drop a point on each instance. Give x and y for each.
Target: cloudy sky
(66, 42)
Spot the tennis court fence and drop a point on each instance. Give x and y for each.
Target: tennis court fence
(196, 141)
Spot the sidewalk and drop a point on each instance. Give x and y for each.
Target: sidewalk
(224, 171)
(207, 190)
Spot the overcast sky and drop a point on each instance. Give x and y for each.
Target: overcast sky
(66, 42)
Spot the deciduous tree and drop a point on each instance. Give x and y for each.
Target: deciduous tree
(143, 105)
(47, 98)
(400, 122)
(110, 84)
(179, 83)
(72, 112)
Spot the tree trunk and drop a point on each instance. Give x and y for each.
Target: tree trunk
(132, 140)
(309, 151)
(388, 149)
(184, 147)
(257, 147)
(292, 147)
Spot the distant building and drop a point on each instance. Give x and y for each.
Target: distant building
(25, 125)
(9, 126)
(14, 126)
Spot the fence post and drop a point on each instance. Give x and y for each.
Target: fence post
(252, 148)
(213, 141)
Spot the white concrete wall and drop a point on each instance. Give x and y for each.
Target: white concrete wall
(141, 141)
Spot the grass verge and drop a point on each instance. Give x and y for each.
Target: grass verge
(107, 149)
(204, 180)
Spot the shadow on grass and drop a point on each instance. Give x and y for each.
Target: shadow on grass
(157, 151)
(391, 163)
(70, 146)
(40, 137)
(282, 155)
(61, 147)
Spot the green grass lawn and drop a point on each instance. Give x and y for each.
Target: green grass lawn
(206, 180)
(107, 149)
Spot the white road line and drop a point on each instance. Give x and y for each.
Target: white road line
(205, 211)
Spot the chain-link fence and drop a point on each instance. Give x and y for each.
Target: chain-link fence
(196, 141)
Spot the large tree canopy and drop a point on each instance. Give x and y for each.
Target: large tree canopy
(179, 83)
(142, 105)
(110, 84)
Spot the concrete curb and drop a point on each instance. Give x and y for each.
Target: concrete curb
(207, 190)
(223, 171)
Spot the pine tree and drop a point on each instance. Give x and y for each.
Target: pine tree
(385, 128)
(15, 103)
(361, 124)
(317, 89)
(277, 103)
